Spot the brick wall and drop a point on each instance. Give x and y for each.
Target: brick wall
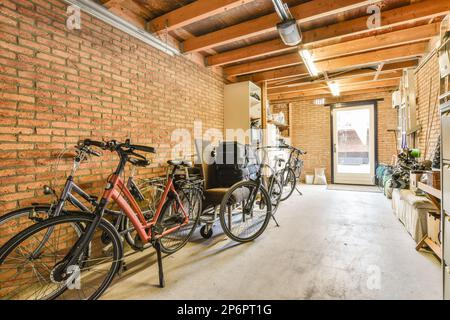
(312, 131)
(427, 80)
(58, 86)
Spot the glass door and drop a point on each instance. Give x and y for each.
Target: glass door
(354, 145)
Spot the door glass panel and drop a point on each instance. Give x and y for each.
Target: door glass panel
(353, 141)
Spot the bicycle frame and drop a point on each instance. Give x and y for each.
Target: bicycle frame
(118, 193)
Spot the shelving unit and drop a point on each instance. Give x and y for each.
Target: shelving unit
(435, 197)
(243, 106)
(444, 97)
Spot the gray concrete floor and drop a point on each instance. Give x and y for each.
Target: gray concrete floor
(331, 245)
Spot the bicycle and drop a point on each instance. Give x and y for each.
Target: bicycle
(291, 171)
(272, 181)
(246, 208)
(57, 260)
(24, 217)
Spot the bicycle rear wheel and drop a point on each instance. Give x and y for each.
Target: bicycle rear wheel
(28, 273)
(288, 182)
(245, 211)
(152, 192)
(172, 216)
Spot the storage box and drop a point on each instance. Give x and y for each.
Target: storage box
(434, 226)
(434, 179)
(414, 179)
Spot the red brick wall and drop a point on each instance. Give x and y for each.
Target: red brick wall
(312, 131)
(58, 86)
(428, 106)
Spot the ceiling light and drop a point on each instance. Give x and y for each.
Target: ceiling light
(309, 62)
(334, 88)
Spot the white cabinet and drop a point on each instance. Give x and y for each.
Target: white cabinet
(446, 135)
(243, 107)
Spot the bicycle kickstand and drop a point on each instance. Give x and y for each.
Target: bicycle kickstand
(274, 219)
(160, 264)
(296, 188)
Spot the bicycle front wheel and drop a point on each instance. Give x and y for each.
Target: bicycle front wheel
(16, 221)
(245, 211)
(33, 263)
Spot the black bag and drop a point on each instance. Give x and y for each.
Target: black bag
(234, 162)
(232, 154)
(228, 176)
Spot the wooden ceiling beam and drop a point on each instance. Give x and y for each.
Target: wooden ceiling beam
(191, 13)
(342, 81)
(331, 99)
(325, 92)
(420, 11)
(369, 58)
(387, 68)
(390, 39)
(344, 87)
(373, 57)
(303, 12)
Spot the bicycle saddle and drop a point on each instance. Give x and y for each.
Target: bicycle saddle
(180, 163)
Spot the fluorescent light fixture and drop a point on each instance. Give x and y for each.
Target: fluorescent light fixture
(334, 88)
(309, 62)
(100, 12)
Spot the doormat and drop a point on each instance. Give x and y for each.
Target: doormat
(345, 187)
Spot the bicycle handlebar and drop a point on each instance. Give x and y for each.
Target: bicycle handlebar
(285, 146)
(113, 145)
(142, 148)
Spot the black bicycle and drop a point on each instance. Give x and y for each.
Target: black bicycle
(291, 172)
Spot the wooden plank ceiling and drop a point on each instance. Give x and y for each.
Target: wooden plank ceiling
(240, 37)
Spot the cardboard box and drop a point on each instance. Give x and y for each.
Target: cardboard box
(434, 226)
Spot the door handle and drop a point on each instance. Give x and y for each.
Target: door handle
(335, 148)
(447, 269)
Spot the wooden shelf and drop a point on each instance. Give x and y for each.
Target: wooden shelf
(282, 126)
(436, 248)
(430, 190)
(435, 196)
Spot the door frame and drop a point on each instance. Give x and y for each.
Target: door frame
(374, 103)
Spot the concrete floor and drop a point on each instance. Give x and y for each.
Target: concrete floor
(331, 245)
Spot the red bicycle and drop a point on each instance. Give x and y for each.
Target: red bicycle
(50, 261)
